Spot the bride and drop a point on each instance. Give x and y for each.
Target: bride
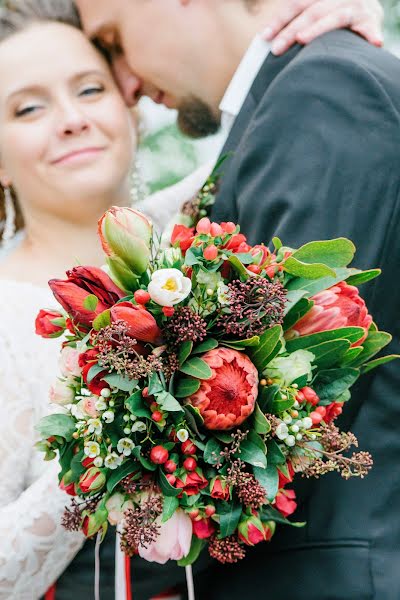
(67, 144)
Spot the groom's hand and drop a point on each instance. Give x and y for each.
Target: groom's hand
(303, 20)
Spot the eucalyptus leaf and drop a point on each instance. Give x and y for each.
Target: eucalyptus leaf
(184, 351)
(96, 369)
(206, 346)
(90, 302)
(155, 386)
(363, 277)
(295, 267)
(168, 402)
(212, 452)
(120, 382)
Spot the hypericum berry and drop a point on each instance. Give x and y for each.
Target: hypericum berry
(254, 269)
(316, 417)
(157, 416)
(188, 448)
(210, 510)
(171, 478)
(142, 297)
(168, 311)
(159, 455)
(170, 466)
(321, 410)
(211, 252)
(216, 229)
(204, 225)
(194, 513)
(190, 464)
(229, 227)
(310, 395)
(154, 406)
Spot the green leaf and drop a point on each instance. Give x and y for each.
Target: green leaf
(239, 344)
(252, 454)
(329, 354)
(212, 452)
(374, 343)
(268, 513)
(170, 505)
(293, 297)
(330, 384)
(121, 383)
(193, 257)
(168, 402)
(90, 302)
(102, 320)
(260, 421)
(333, 253)
(222, 436)
(275, 454)
(194, 552)
(166, 488)
(127, 468)
(137, 406)
(256, 439)
(76, 466)
(297, 312)
(194, 419)
(145, 462)
(184, 351)
(267, 395)
(238, 266)
(363, 277)
(196, 367)
(206, 346)
(277, 244)
(378, 362)
(351, 355)
(268, 343)
(304, 342)
(295, 267)
(269, 479)
(230, 513)
(279, 405)
(58, 424)
(187, 387)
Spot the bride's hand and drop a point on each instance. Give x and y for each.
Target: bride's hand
(303, 20)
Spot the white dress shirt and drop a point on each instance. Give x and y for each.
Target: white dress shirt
(244, 77)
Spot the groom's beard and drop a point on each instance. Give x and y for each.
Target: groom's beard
(196, 119)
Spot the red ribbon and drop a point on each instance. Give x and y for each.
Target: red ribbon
(51, 593)
(128, 586)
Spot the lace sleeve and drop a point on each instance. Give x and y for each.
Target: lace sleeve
(34, 547)
(163, 205)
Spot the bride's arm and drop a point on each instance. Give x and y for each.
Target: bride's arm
(34, 547)
(162, 206)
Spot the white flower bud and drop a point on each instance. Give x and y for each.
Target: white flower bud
(108, 416)
(127, 431)
(290, 440)
(139, 426)
(182, 435)
(282, 431)
(299, 437)
(105, 392)
(307, 423)
(98, 462)
(288, 419)
(295, 429)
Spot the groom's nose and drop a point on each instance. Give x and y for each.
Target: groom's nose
(127, 81)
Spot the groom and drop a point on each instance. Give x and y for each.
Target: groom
(314, 150)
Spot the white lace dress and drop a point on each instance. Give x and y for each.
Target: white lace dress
(34, 547)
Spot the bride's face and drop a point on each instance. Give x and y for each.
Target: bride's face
(65, 132)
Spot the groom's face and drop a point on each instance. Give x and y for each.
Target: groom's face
(151, 45)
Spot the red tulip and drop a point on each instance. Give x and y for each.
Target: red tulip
(141, 324)
(81, 283)
(182, 236)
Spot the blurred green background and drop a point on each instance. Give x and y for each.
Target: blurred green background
(166, 156)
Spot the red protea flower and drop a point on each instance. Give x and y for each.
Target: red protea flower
(228, 397)
(339, 306)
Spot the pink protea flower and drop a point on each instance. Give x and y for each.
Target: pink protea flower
(228, 398)
(338, 306)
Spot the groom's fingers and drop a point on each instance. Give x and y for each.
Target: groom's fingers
(363, 16)
(290, 10)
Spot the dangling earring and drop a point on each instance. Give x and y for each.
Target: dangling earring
(9, 224)
(139, 190)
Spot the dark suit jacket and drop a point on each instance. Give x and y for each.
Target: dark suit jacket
(316, 155)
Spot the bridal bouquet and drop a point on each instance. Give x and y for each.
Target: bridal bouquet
(197, 381)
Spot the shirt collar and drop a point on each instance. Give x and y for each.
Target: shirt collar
(243, 79)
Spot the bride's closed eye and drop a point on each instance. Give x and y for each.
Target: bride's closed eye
(92, 90)
(27, 110)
